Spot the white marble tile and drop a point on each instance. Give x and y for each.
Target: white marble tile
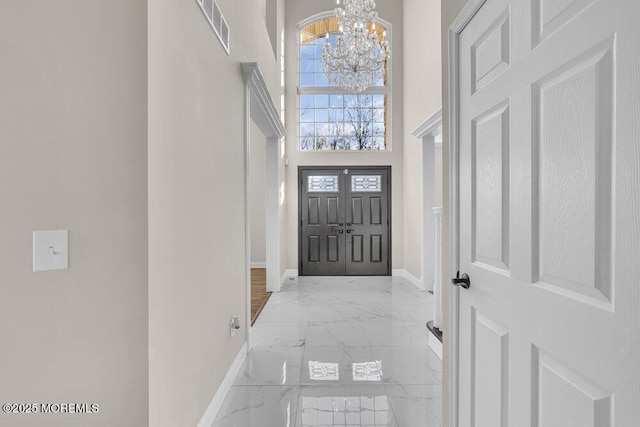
(420, 313)
(416, 405)
(372, 313)
(330, 366)
(396, 333)
(279, 334)
(336, 334)
(271, 366)
(345, 406)
(373, 324)
(409, 365)
(259, 406)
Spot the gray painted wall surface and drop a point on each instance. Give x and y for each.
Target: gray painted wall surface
(196, 198)
(73, 155)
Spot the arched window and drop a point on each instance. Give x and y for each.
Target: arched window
(331, 118)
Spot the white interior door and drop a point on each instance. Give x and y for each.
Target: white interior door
(549, 205)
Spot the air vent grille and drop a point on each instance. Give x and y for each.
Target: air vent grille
(215, 18)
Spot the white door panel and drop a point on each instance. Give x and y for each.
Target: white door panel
(549, 205)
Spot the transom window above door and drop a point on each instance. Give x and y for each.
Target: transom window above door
(330, 118)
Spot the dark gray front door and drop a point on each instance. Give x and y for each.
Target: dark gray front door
(344, 221)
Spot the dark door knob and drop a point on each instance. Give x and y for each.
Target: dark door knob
(341, 231)
(340, 224)
(463, 281)
(349, 230)
(348, 224)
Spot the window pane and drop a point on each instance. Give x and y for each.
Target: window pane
(365, 100)
(350, 100)
(322, 115)
(306, 115)
(306, 101)
(306, 65)
(307, 51)
(378, 129)
(336, 101)
(336, 115)
(322, 184)
(322, 101)
(307, 79)
(307, 129)
(366, 183)
(322, 129)
(378, 101)
(321, 80)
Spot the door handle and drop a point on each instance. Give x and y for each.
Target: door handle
(463, 281)
(348, 224)
(340, 224)
(341, 231)
(349, 230)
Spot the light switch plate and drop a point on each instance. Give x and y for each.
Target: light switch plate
(50, 250)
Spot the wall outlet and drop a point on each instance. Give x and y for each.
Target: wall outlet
(235, 325)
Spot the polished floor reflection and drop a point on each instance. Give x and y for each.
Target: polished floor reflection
(339, 351)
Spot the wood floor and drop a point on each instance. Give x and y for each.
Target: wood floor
(259, 294)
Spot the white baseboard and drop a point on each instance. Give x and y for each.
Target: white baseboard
(435, 345)
(401, 272)
(258, 264)
(216, 403)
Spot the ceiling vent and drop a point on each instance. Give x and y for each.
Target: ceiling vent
(214, 16)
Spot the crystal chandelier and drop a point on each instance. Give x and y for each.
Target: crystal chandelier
(358, 58)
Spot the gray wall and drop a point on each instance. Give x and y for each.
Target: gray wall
(73, 155)
(422, 97)
(196, 199)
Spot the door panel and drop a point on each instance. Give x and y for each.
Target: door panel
(322, 212)
(549, 124)
(345, 221)
(367, 222)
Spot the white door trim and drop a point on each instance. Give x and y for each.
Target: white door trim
(429, 133)
(459, 24)
(260, 109)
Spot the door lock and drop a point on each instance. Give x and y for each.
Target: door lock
(463, 282)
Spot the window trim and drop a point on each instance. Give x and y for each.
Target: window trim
(321, 90)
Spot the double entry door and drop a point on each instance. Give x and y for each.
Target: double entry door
(344, 221)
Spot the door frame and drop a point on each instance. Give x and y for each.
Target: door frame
(359, 167)
(459, 24)
(260, 109)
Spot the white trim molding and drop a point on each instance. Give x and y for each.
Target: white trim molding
(401, 272)
(260, 108)
(258, 264)
(216, 403)
(456, 28)
(431, 126)
(262, 99)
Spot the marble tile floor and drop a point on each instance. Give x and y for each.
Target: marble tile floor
(339, 351)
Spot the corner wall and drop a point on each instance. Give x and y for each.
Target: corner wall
(196, 199)
(73, 155)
